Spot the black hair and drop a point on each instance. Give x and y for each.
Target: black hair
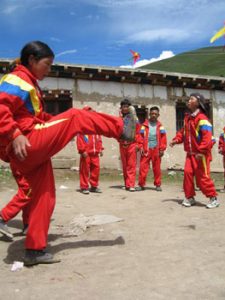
(125, 102)
(154, 108)
(36, 48)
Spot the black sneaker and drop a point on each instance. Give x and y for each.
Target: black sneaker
(5, 230)
(129, 125)
(35, 257)
(95, 190)
(140, 188)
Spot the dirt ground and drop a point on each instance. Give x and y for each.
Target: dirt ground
(160, 250)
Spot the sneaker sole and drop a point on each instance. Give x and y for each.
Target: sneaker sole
(34, 263)
(210, 207)
(7, 234)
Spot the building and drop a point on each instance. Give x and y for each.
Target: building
(103, 88)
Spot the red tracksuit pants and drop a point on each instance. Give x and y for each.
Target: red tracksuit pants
(128, 156)
(153, 155)
(89, 171)
(20, 201)
(46, 140)
(199, 169)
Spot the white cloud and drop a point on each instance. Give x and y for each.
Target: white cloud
(10, 9)
(66, 52)
(164, 55)
(167, 34)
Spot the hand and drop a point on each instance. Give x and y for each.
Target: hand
(220, 151)
(136, 149)
(19, 145)
(161, 153)
(84, 154)
(101, 154)
(172, 143)
(199, 156)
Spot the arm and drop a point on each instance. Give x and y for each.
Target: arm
(81, 143)
(179, 138)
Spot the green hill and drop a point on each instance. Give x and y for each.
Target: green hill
(205, 61)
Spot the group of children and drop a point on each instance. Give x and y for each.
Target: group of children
(29, 137)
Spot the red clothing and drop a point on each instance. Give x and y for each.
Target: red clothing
(90, 165)
(128, 155)
(20, 201)
(89, 143)
(21, 107)
(160, 136)
(221, 145)
(152, 154)
(197, 138)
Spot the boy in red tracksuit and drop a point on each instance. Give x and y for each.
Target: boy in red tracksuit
(221, 150)
(154, 145)
(128, 152)
(90, 148)
(30, 137)
(197, 138)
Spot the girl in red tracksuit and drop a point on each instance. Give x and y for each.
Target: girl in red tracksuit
(197, 138)
(30, 137)
(221, 149)
(128, 152)
(150, 152)
(89, 147)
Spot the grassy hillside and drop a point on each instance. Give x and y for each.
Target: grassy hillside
(205, 61)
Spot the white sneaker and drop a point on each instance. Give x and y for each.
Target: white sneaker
(213, 202)
(189, 202)
(132, 189)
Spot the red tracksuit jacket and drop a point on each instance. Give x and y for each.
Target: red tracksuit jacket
(196, 134)
(14, 115)
(90, 143)
(160, 135)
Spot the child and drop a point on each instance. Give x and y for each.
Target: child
(154, 145)
(221, 150)
(30, 137)
(197, 138)
(128, 152)
(90, 148)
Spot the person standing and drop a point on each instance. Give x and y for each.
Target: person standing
(128, 151)
(90, 148)
(196, 135)
(154, 145)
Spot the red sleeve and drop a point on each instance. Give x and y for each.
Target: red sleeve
(8, 105)
(81, 145)
(46, 116)
(163, 141)
(179, 138)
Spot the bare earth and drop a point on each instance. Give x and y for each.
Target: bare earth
(160, 250)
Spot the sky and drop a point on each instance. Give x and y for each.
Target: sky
(102, 32)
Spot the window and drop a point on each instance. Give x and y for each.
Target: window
(181, 108)
(57, 101)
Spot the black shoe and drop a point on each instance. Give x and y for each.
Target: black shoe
(129, 125)
(95, 190)
(158, 189)
(35, 257)
(25, 229)
(140, 188)
(5, 230)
